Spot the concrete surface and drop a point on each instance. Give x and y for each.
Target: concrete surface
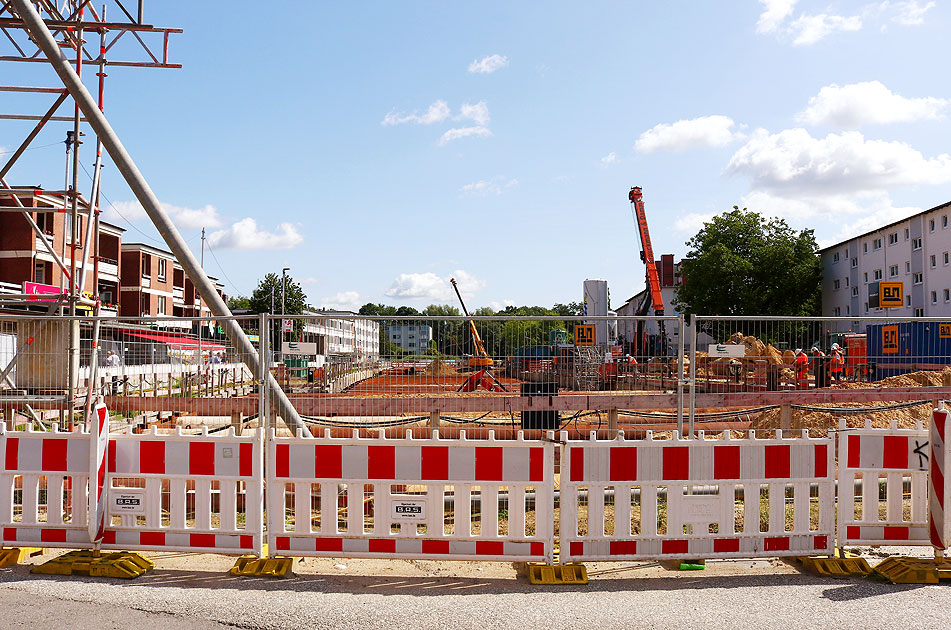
(187, 591)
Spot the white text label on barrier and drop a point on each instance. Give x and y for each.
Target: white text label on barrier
(409, 510)
(128, 502)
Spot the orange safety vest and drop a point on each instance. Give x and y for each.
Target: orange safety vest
(837, 361)
(802, 362)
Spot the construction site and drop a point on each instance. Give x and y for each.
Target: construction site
(141, 416)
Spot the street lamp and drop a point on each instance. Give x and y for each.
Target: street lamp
(283, 305)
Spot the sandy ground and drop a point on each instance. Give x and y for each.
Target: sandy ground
(190, 591)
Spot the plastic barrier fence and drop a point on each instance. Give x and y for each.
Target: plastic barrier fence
(186, 492)
(887, 461)
(43, 489)
(722, 498)
(939, 491)
(411, 498)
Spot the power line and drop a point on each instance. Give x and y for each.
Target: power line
(222, 269)
(45, 146)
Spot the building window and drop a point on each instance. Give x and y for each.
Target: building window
(919, 312)
(947, 295)
(846, 281)
(161, 306)
(945, 258)
(916, 243)
(906, 234)
(836, 312)
(162, 266)
(907, 300)
(877, 274)
(855, 291)
(934, 297)
(835, 285)
(146, 266)
(934, 261)
(893, 238)
(931, 225)
(944, 221)
(907, 267)
(866, 307)
(877, 243)
(848, 309)
(864, 248)
(835, 257)
(916, 278)
(855, 262)
(893, 271)
(146, 307)
(865, 277)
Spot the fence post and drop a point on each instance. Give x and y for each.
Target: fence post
(263, 367)
(681, 355)
(693, 372)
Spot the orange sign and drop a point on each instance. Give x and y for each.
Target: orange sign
(584, 335)
(944, 331)
(889, 339)
(890, 294)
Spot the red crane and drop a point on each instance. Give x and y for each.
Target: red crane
(652, 296)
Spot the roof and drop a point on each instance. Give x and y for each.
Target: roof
(147, 249)
(885, 227)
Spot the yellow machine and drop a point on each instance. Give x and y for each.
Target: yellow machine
(481, 359)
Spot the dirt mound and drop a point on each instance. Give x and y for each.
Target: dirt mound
(819, 422)
(756, 349)
(438, 367)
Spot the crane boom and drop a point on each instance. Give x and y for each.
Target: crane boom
(647, 251)
(482, 360)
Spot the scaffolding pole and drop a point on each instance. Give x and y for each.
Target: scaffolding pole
(150, 203)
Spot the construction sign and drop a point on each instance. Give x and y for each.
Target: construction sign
(584, 334)
(890, 294)
(889, 339)
(944, 331)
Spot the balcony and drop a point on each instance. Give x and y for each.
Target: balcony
(178, 294)
(40, 247)
(146, 282)
(109, 267)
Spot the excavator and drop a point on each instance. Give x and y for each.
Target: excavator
(653, 296)
(480, 361)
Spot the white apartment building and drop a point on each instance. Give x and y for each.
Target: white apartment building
(342, 332)
(915, 251)
(413, 338)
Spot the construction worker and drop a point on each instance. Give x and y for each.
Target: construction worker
(802, 369)
(838, 362)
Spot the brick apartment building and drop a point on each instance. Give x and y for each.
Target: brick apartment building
(154, 285)
(24, 258)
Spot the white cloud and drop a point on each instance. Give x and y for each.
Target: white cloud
(245, 234)
(809, 29)
(610, 158)
(792, 160)
(437, 112)
(486, 187)
(478, 113)
(856, 104)
(910, 13)
(497, 306)
(429, 286)
(463, 132)
(343, 301)
(308, 280)
(488, 65)
(774, 13)
(706, 131)
(692, 222)
(183, 217)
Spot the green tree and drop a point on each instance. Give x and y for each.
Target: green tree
(295, 300)
(740, 263)
(239, 303)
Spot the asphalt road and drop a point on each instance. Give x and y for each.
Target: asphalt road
(186, 592)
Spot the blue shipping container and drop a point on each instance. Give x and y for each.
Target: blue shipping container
(908, 347)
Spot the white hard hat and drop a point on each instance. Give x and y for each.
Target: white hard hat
(835, 346)
(798, 350)
(815, 348)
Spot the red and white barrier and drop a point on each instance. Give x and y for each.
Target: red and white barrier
(897, 457)
(692, 485)
(378, 497)
(43, 485)
(201, 493)
(939, 491)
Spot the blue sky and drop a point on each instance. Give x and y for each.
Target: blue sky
(378, 149)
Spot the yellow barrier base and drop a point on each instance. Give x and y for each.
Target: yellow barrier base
(119, 564)
(899, 570)
(574, 573)
(16, 555)
(840, 566)
(263, 567)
